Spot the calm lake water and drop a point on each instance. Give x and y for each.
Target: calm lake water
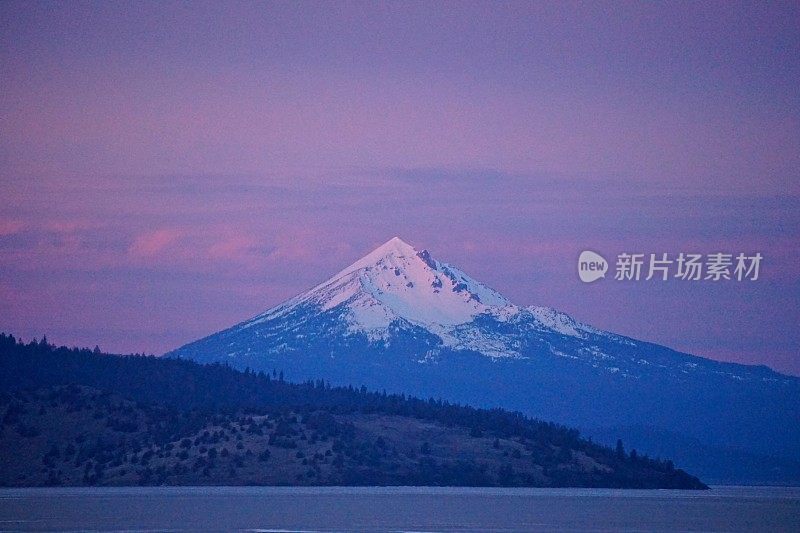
(398, 509)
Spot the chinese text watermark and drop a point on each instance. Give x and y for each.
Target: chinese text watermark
(717, 266)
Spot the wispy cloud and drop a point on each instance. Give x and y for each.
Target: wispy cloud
(10, 227)
(152, 243)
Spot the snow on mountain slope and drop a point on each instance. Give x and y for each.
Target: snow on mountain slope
(395, 283)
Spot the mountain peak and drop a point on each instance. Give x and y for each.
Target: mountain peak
(398, 243)
(397, 282)
(396, 285)
(394, 247)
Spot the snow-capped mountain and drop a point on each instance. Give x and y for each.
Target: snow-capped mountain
(400, 320)
(397, 284)
(396, 287)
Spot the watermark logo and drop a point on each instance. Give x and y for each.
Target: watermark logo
(591, 266)
(718, 266)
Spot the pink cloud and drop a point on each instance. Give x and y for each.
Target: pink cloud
(232, 247)
(10, 227)
(152, 243)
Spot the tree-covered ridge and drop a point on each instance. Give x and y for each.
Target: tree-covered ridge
(183, 397)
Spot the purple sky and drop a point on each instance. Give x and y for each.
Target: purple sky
(167, 170)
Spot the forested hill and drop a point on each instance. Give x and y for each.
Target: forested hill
(366, 437)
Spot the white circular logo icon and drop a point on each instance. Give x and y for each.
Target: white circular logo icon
(591, 266)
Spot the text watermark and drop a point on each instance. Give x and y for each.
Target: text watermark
(717, 266)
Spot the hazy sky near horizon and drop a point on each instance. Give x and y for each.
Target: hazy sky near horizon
(169, 169)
